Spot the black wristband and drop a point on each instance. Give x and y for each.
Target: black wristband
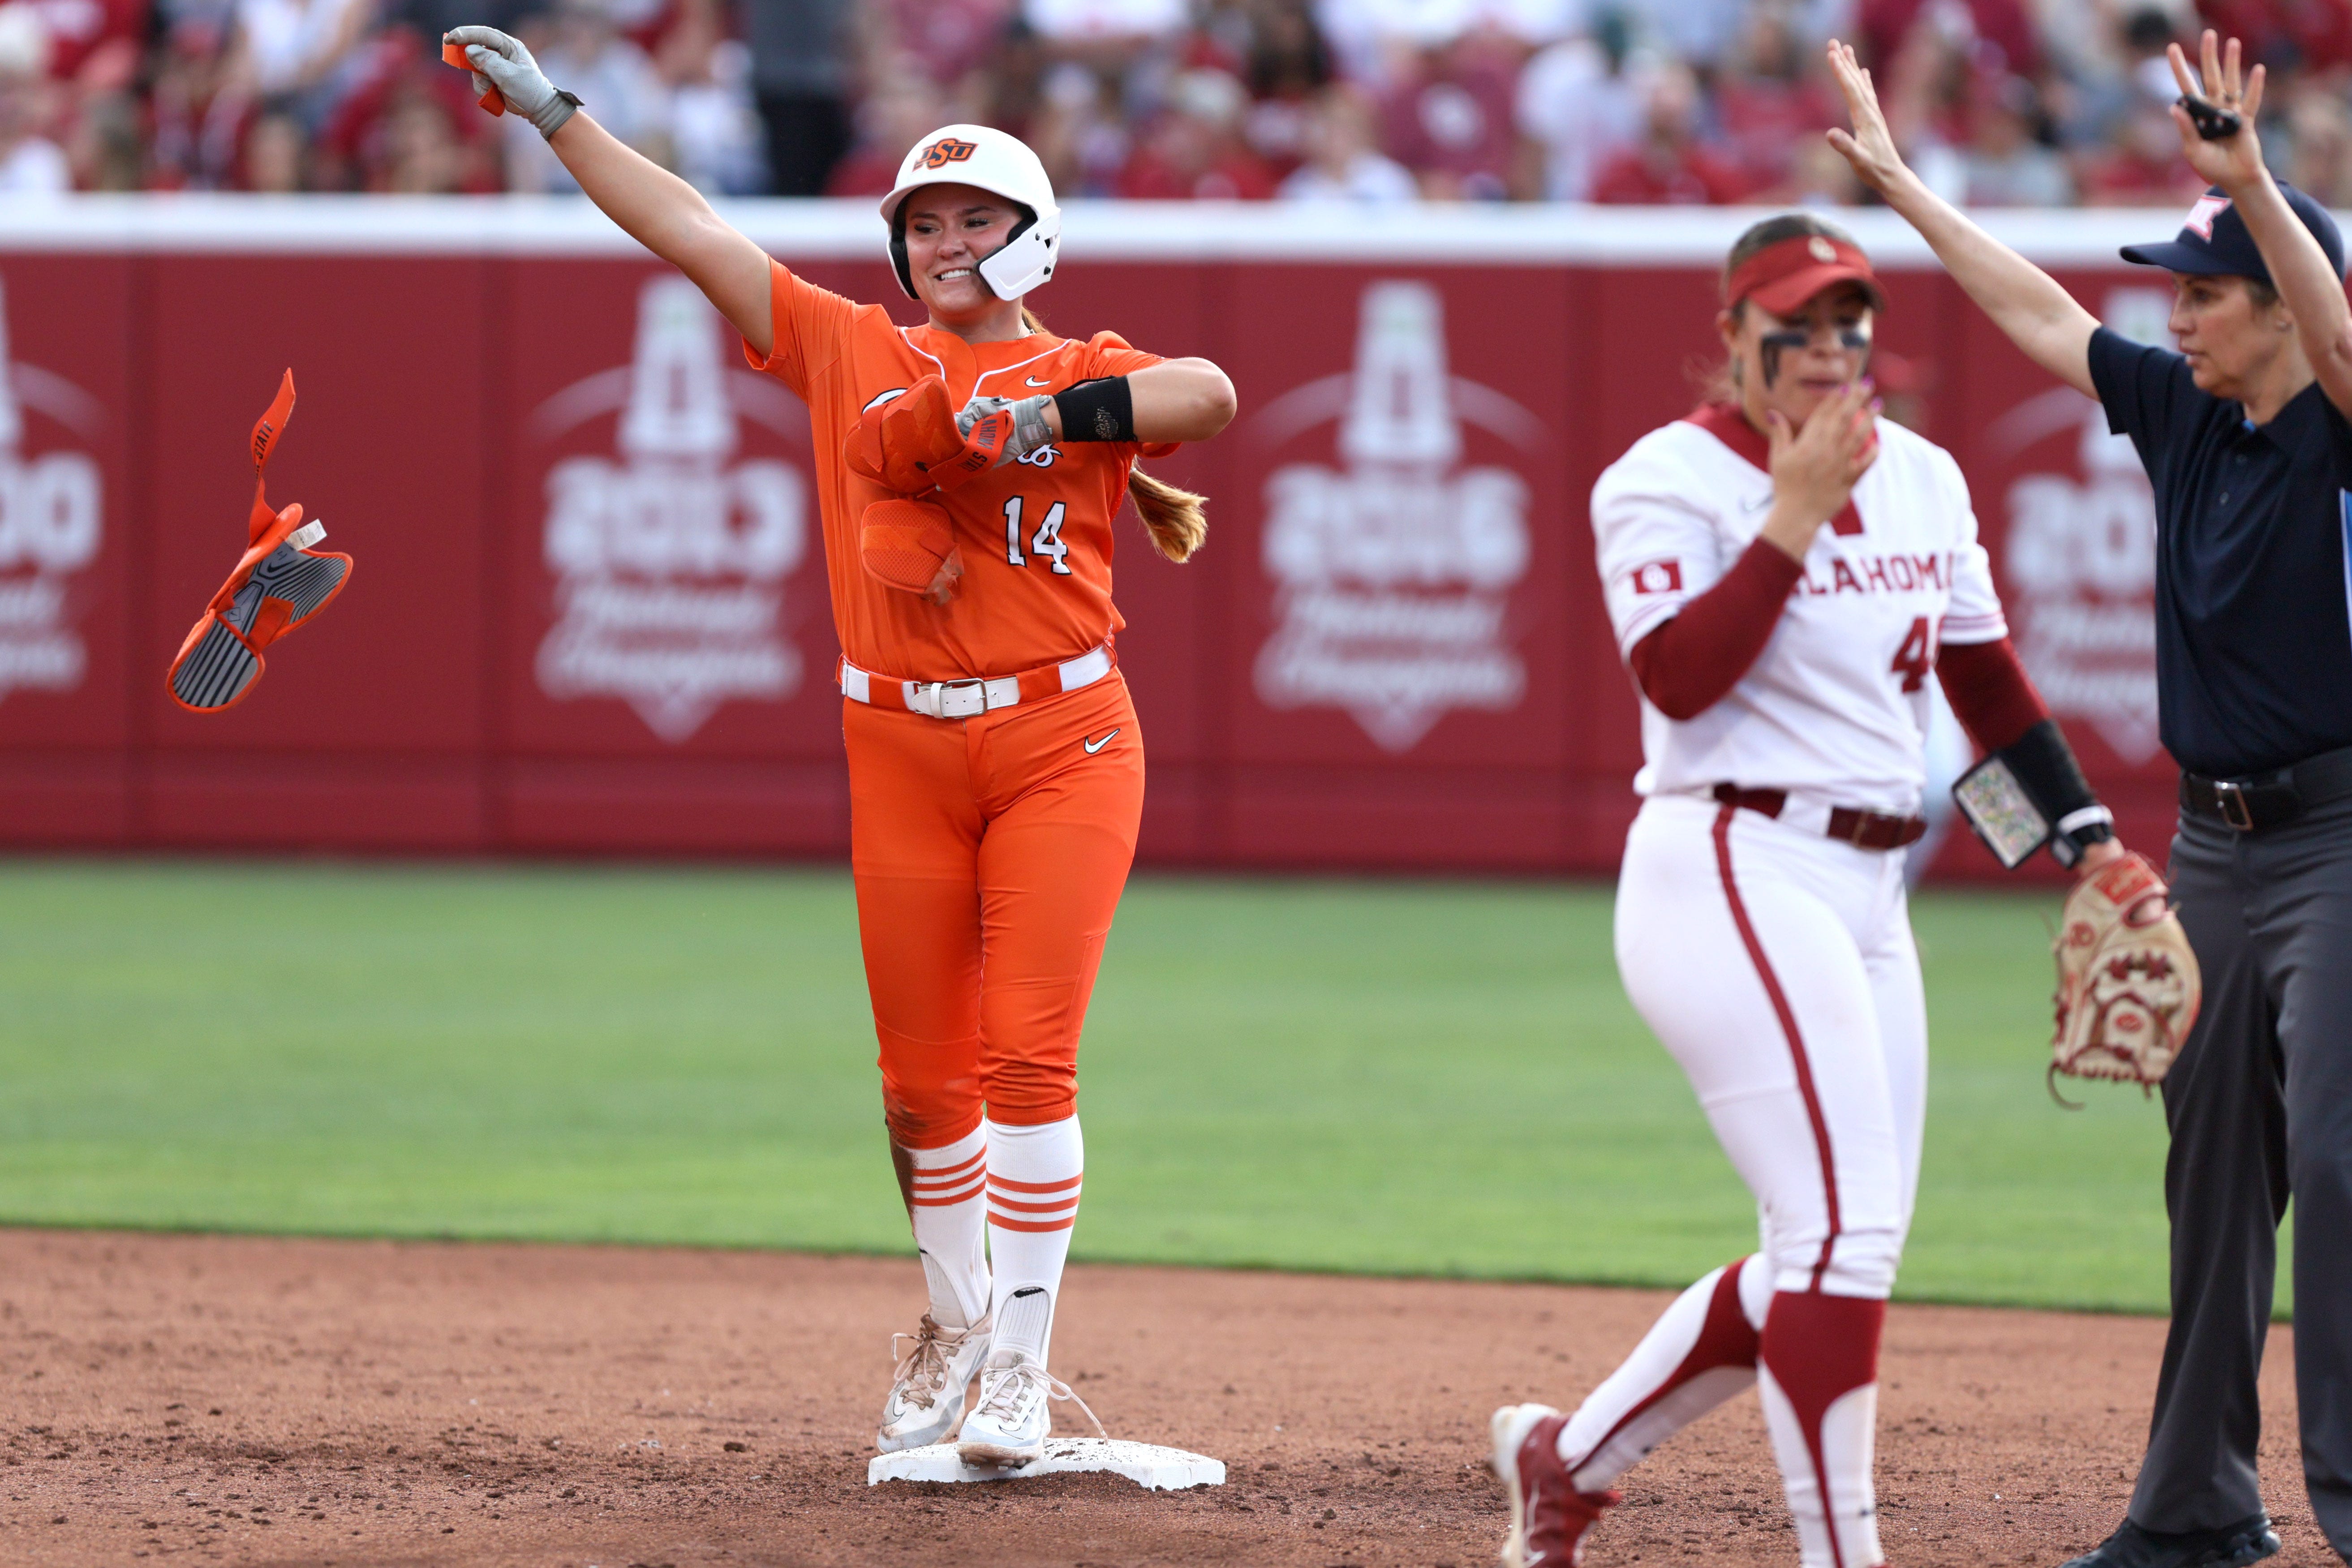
(2044, 764)
(1099, 410)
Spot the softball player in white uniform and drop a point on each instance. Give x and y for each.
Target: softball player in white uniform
(1785, 573)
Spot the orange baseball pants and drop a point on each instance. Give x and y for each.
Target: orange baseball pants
(988, 854)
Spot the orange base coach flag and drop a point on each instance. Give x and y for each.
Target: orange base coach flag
(278, 584)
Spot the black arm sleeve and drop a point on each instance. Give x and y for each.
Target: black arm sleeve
(2044, 764)
(1099, 410)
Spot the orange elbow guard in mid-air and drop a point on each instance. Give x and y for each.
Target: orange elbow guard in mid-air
(278, 584)
(905, 542)
(912, 445)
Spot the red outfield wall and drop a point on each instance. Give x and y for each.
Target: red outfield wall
(589, 613)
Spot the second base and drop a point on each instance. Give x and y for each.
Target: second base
(1150, 1466)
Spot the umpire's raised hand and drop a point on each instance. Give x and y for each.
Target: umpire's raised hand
(2231, 160)
(500, 62)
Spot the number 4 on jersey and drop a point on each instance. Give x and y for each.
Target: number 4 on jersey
(1916, 660)
(1046, 542)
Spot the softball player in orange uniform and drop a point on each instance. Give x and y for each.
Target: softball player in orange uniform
(968, 472)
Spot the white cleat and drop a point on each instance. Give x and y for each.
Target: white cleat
(927, 1388)
(1012, 1421)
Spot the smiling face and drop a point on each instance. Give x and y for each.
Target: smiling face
(2230, 338)
(951, 230)
(1789, 363)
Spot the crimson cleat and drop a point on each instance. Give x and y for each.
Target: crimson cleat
(1549, 1518)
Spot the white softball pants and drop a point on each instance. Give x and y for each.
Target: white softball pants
(1777, 966)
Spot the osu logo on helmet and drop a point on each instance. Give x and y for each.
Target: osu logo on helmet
(946, 151)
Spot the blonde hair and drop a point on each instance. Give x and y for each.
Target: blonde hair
(1173, 518)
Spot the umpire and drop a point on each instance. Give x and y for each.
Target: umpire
(2245, 437)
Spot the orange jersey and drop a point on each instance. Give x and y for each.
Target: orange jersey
(1034, 535)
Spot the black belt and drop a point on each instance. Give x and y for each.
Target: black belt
(2269, 800)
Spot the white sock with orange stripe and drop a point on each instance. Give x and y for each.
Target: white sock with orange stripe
(946, 1200)
(1034, 1177)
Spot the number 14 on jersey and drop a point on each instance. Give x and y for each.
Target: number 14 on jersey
(1046, 542)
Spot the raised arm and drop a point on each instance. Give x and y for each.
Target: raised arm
(2024, 301)
(653, 207)
(2306, 280)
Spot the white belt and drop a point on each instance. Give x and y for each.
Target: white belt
(968, 698)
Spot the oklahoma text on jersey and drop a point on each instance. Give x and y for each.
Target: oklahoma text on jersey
(1839, 698)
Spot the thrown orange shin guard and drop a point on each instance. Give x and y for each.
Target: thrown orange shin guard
(912, 445)
(905, 542)
(279, 583)
(454, 55)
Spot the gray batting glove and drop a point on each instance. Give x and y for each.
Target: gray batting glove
(501, 61)
(1029, 428)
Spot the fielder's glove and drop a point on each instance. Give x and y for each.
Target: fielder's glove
(278, 584)
(914, 444)
(2129, 987)
(508, 77)
(1030, 430)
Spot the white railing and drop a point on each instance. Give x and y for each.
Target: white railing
(1128, 231)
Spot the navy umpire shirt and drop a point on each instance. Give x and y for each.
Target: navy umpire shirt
(2254, 630)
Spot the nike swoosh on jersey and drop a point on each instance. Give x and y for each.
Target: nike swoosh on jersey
(1094, 746)
(1033, 381)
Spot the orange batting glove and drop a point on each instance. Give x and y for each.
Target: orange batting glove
(912, 444)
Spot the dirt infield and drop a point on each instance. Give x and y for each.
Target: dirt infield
(249, 1401)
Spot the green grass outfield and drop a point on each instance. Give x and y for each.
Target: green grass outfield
(1398, 1077)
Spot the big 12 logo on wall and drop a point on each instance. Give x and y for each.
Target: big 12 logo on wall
(670, 558)
(49, 527)
(1393, 571)
(2078, 563)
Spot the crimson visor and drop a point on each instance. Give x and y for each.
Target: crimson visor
(1782, 276)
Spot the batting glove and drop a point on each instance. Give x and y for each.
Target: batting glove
(1029, 428)
(501, 65)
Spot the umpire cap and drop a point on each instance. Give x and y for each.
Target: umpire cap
(2213, 240)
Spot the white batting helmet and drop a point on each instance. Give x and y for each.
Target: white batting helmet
(1001, 165)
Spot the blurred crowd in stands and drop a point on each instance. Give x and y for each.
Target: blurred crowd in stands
(1997, 102)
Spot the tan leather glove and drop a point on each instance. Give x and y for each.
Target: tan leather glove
(2128, 986)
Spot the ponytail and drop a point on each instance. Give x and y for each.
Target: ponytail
(1172, 517)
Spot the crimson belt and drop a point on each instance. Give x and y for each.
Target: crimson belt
(1862, 829)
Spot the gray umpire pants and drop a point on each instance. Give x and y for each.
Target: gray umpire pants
(2260, 1108)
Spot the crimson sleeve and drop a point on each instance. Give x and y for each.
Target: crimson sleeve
(1687, 666)
(1990, 691)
